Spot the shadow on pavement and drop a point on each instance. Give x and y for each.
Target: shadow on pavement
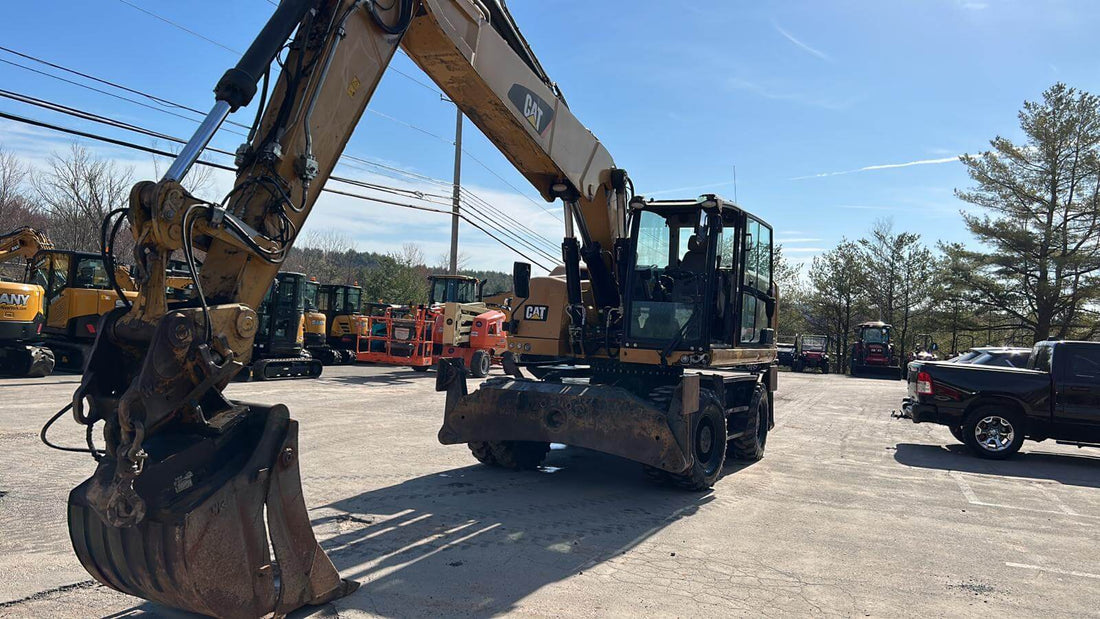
(476, 540)
(1076, 470)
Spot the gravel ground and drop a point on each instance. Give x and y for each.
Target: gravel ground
(850, 513)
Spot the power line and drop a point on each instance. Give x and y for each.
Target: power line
(175, 25)
(163, 153)
(176, 105)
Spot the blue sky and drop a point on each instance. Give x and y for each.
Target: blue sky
(834, 113)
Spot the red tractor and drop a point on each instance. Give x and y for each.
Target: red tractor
(874, 353)
(811, 351)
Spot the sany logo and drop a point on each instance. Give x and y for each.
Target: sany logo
(15, 299)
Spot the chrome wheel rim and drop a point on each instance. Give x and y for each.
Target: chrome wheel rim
(994, 433)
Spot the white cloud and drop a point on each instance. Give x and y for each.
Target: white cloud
(801, 45)
(881, 166)
(798, 240)
(802, 250)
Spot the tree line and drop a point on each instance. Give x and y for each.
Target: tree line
(1033, 273)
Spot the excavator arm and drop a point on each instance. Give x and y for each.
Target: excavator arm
(194, 491)
(23, 242)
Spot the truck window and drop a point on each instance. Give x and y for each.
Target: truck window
(1084, 365)
(1041, 358)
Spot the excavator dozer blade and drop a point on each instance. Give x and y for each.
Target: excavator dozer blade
(216, 504)
(599, 417)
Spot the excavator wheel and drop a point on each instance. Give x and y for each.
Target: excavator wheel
(519, 455)
(750, 445)
(480, 363)
(708, 443)
(483, 452)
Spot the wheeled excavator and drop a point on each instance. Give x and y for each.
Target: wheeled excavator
(196, 501)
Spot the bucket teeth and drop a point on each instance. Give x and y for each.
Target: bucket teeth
(213, 504)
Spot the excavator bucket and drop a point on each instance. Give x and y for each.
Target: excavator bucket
(217, 505)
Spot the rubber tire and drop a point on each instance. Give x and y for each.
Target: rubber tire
(957, 432)
(421, 368)
(824, 368)
(41, 363)
(750, 446)
(519, 455)
(981, 412)
(702, 475)
(480, 363)
(483, 452)
(797, 366)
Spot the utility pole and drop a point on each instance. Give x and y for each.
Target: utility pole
(455, 199)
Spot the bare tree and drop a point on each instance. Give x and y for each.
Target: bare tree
(77, 192)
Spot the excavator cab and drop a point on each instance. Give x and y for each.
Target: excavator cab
(341, 304)
(279, 348)
(453, 289)
(314, 330)
(78, 290)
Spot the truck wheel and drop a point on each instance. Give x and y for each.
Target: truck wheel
(519, 455)
(480, 363)
(824, 368)
(482, 452)
(41, 362)
(708, 443)
(957, 432)
(993, 432)
(750, 445)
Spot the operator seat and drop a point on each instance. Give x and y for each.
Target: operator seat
(695, 260)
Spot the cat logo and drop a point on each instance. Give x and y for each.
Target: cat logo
(18, 300)
(537, 112)
(536, 312)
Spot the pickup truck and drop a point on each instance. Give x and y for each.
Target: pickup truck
(993, 409)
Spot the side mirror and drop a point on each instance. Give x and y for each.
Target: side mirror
(521, 279)
(767, 337)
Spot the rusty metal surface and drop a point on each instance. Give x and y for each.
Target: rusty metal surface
(607, 419)
(203, 543)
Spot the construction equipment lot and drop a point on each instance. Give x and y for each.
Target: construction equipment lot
(850, 513)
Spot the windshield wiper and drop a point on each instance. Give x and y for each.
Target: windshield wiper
(679, 338)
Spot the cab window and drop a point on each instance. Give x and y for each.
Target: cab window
(757, 280)
(90, 273)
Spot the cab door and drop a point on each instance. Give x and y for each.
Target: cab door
(1077, 409)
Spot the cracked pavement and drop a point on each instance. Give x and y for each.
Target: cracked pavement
(850, 513)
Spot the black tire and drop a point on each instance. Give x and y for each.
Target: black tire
(483, 452)
(824, 368)
(957, 432)
(519, 455)
(708, 441)
(421, 368)
(796, 366)
(41, 363)
(750, 446)
(480, 363)
(993, 432)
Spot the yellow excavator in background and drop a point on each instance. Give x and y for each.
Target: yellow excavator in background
(22, 311)
(196, 500)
